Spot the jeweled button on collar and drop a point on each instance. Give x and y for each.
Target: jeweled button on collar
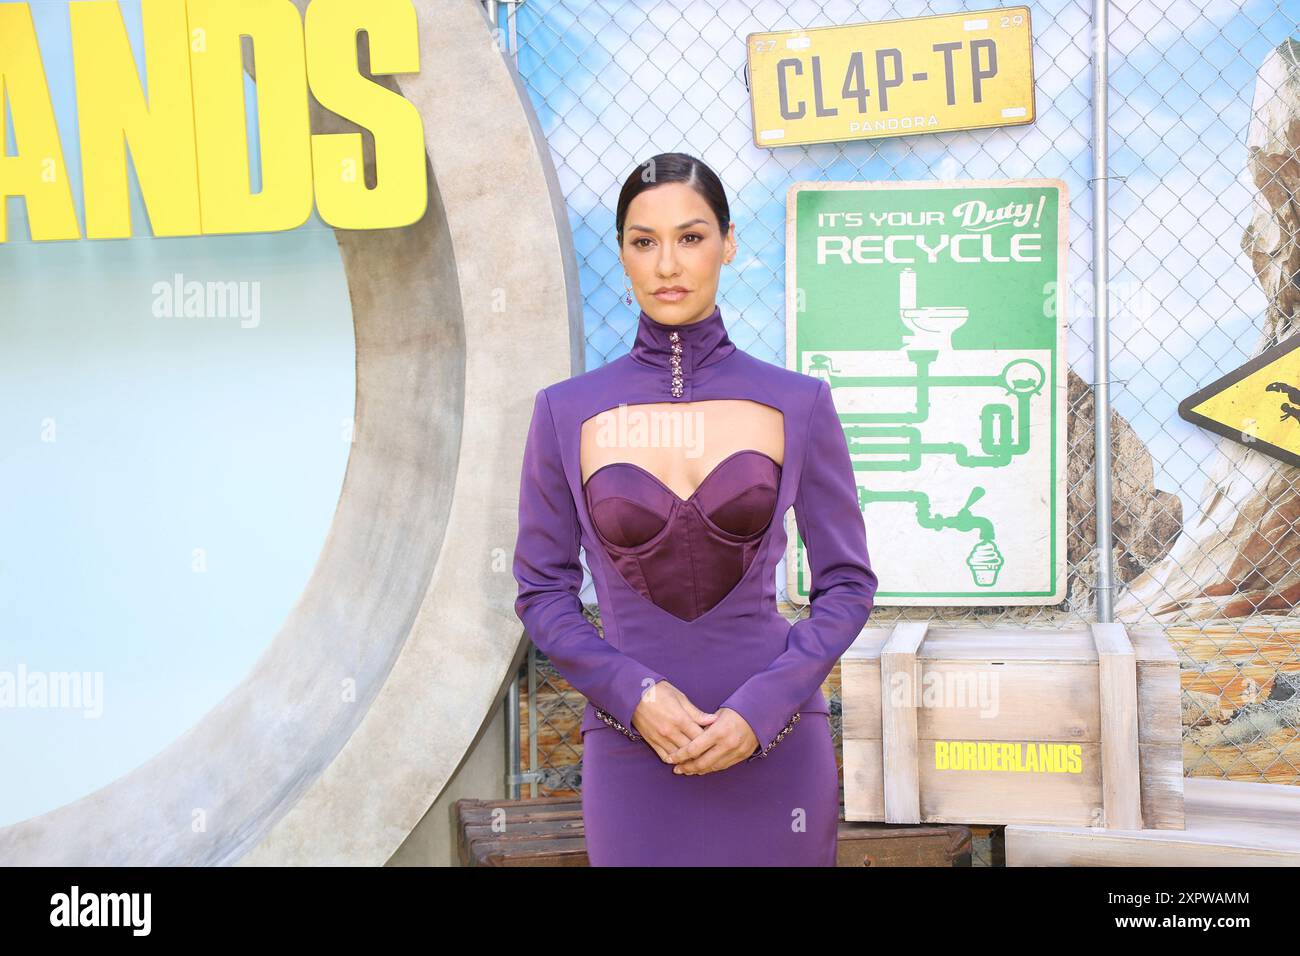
(681, 350)
(676, 359)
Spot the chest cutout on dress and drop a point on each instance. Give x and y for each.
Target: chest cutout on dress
(684, 553)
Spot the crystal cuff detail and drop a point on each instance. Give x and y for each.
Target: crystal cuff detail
(776, 740)
(617, 725)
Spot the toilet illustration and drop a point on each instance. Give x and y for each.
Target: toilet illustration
(931, 326)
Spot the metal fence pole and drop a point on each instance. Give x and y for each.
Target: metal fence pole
(1104, 588)
(512, 738)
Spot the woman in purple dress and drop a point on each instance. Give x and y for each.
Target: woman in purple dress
(706, 737)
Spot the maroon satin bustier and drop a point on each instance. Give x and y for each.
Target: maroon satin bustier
(685, 554)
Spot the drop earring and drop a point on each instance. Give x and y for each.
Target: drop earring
(628, 297)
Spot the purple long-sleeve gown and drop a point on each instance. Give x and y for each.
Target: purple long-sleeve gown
(686, 589)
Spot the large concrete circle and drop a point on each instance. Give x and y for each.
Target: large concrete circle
(393, 658)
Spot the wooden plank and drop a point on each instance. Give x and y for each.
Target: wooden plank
(478, 815)
(1001, 796)
(860, 683)
(1009, 644)
(965, 699)
(1151, 644)
(1040, 700)
(1162, 785)
(1229, 823)
(570, 851)
(900, 682)
(880, 844)
(990, 797)
(1033, 700)
(864, 780)
(1160, 706)
(1117, 687)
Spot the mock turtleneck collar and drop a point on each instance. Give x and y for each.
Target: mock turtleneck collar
(703, 343)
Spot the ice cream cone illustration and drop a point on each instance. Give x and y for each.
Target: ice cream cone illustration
(985, 561)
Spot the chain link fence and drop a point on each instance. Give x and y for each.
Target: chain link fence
(616, 81)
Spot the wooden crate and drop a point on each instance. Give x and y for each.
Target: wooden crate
(1089, 719)
(1229, 823)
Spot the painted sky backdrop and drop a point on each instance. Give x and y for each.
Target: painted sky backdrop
(174, 435)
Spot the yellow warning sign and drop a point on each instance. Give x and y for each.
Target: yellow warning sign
(1256, 405)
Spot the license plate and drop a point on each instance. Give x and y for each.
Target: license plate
(893, 78)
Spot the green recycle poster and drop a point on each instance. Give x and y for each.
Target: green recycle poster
(935, 311)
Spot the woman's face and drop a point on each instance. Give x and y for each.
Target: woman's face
(673, 252)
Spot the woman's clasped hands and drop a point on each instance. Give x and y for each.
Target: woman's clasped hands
(693, 741)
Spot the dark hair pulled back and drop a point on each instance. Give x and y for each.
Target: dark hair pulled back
(673, 168)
